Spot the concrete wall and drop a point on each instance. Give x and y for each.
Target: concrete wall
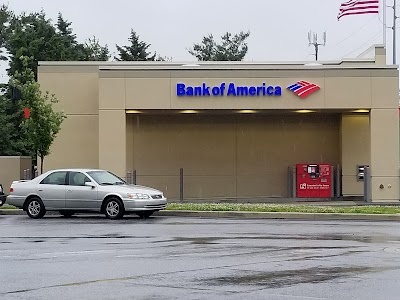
(12, 168)
(77, 144)
(229, 156)
(355, 141)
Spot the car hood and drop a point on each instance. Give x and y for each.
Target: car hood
(130, 189)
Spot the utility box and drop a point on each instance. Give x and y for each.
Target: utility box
(314, 181)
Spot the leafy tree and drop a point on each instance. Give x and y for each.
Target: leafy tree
(42, 126)
(5, 16)
(136, 51)
(232, 48)
(6, 127)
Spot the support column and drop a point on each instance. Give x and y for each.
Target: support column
(112, 141)
(385, 162)
(355, 150)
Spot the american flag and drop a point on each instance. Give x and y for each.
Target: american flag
(303, 88)
(358, 7)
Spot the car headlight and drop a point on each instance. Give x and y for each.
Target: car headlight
(138, 196)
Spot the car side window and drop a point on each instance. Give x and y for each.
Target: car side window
(78, 179)
(56, 178)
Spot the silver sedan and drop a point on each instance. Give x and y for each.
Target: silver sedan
(72, 191)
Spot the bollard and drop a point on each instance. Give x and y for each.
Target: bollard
(367, 184)
(181, 184)
(134, 177)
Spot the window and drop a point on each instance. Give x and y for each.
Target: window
(77, 179)
(105, 178)
(56, 178)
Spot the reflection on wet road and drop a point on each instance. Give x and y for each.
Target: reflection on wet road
(89, 257)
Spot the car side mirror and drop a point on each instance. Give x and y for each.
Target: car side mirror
(1, 188)
(91, 184)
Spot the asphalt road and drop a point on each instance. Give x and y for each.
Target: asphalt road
(89, 257)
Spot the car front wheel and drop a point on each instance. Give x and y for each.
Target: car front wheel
(114, 209)
(35, 208)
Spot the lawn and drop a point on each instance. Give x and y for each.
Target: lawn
(371, 209)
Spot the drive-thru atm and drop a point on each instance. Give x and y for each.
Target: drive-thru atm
(314, 181)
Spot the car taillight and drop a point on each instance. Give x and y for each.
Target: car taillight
(11, 190)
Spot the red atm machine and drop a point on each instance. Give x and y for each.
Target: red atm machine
(314, 180)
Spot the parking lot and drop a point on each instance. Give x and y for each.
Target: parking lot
(89, 257)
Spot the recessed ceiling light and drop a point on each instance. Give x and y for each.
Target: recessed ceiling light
(189, 111)
(304, 111)
(131, 111)
(361, 111)
(247, 111)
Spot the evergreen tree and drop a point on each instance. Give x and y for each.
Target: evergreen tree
(93, 51)
(136, 51)
(233, 48)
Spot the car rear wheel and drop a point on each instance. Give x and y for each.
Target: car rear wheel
(145, 214)
(114, 209)
(35, 208)
(66, 213)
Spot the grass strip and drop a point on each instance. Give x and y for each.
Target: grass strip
(373, 209)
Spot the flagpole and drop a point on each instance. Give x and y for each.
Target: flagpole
(384, 21)
(394, 33)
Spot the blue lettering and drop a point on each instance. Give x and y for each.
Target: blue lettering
(215, 90)
(197, 91)
(278, 91)
(206, 90)
(189, 91)
(222, 89)
(180, 89)
(263, 88)
(242, 91)
(231, 90)
(259, 90)
(252, 91)
(270, 90)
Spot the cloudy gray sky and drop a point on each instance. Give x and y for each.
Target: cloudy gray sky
(278, 28)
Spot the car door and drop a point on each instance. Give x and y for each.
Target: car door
(80, 196)
(52, 190)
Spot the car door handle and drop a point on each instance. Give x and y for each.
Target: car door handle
(69, 190)
(40, 190)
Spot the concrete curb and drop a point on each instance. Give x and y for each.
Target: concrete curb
(280, 215)
(258, 215)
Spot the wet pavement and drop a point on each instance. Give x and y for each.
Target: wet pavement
(89, 257)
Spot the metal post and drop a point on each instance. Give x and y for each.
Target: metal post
(367, 184)
(294, 181)
(332, 183)
(181, 184)
(338, 177)
(290, 184)
(134, 177)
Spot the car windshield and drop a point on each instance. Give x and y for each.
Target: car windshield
(106, 178)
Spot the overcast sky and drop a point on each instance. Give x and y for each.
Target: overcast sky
(278, 28)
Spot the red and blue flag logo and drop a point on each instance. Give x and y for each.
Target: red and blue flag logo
(303, 88)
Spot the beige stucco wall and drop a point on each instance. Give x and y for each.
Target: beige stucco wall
(229, 155)
(12, 168)
(355, 141)
(78, 92)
